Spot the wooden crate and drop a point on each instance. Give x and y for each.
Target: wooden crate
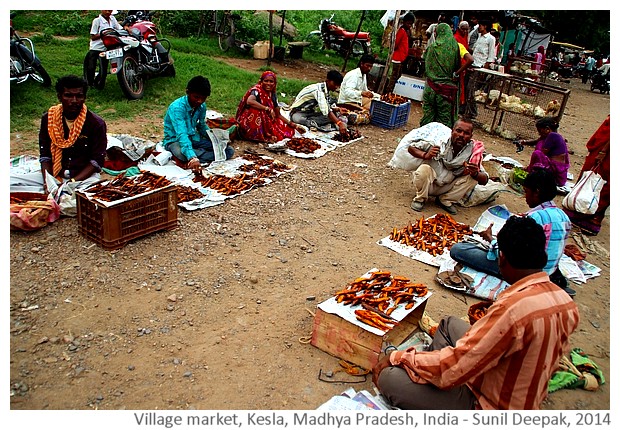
(340, 338)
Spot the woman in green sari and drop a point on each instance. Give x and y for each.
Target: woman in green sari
(442, 59)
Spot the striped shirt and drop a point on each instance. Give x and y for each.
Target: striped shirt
(508, 356)
(556, 225)
(315, 93)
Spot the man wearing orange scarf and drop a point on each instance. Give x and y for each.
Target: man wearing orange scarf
(72, 141)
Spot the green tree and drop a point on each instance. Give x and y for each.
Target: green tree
(587, 28)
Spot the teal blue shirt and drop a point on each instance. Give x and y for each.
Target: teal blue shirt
(185, 125)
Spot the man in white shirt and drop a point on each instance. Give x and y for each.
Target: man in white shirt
(484, 56)
(354, 92)
(103, 21)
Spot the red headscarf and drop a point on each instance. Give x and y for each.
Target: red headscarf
(264, 96)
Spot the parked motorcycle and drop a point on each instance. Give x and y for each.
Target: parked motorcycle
(600, 82)
(24, 62)
(137, 54)
(340, 40)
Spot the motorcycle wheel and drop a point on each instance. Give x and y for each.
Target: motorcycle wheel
(359, 48)
(132, 83)
(41, 75)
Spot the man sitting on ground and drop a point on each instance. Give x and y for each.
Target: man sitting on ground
(72, 142)
(449, 175)
(354, 93)
(506, 358)
(186, 133)
(304, 108)
(540, 190)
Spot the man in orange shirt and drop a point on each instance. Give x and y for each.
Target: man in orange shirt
(401, 50)
(506, 358)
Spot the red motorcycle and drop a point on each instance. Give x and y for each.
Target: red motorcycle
(340, 40)
(136, 54)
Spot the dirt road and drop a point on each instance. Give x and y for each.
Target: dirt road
(210, 315)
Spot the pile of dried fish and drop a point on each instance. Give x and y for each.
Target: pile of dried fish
(254, 173)
(348, 136)
(303, 145)
(187, 194)
(432, 234)
(380, 294)
(122, 187)
(393, 99)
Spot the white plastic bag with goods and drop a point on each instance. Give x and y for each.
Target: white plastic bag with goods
(585, 195)
(432, 134)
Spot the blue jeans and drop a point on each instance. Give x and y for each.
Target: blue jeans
(203, 150)
(473, 256)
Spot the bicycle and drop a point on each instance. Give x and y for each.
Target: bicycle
(223, 24)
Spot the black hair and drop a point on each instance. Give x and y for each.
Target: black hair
(486, 23)
(542, 181)
(547, 121)
(366, 58)
(70, 81)
(522, 242)
(409, 17)
(199, 85)
(465, 120)
(335, 76)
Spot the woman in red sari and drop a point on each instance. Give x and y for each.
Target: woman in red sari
(258, 115)
(598, 154)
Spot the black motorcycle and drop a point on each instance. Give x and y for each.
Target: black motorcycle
(24, 62)
(600, 82)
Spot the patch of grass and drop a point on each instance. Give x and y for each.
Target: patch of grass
(192, 57)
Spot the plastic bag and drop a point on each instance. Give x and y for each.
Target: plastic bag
(585, 195)
(482, 194)
(219, 139)
(432, 134)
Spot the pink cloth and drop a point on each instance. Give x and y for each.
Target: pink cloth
(476, 154)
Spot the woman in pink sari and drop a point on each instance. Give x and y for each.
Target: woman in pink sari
(258, 115)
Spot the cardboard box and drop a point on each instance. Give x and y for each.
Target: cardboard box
(343, 339)
(410, 87)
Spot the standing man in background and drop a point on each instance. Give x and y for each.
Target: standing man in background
(401, 50)
(104, 21)
(484, 56)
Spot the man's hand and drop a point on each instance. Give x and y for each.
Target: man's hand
(343, 128)
(487, 234)
(368, 94)
(471, 169)
(382, 364)
(432, 152)
(194, 165)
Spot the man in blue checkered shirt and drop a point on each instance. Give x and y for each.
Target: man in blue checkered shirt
(540, 190)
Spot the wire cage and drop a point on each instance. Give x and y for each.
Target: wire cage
(488, 85)
(523, 102)
(510, 105)
(526, 68)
